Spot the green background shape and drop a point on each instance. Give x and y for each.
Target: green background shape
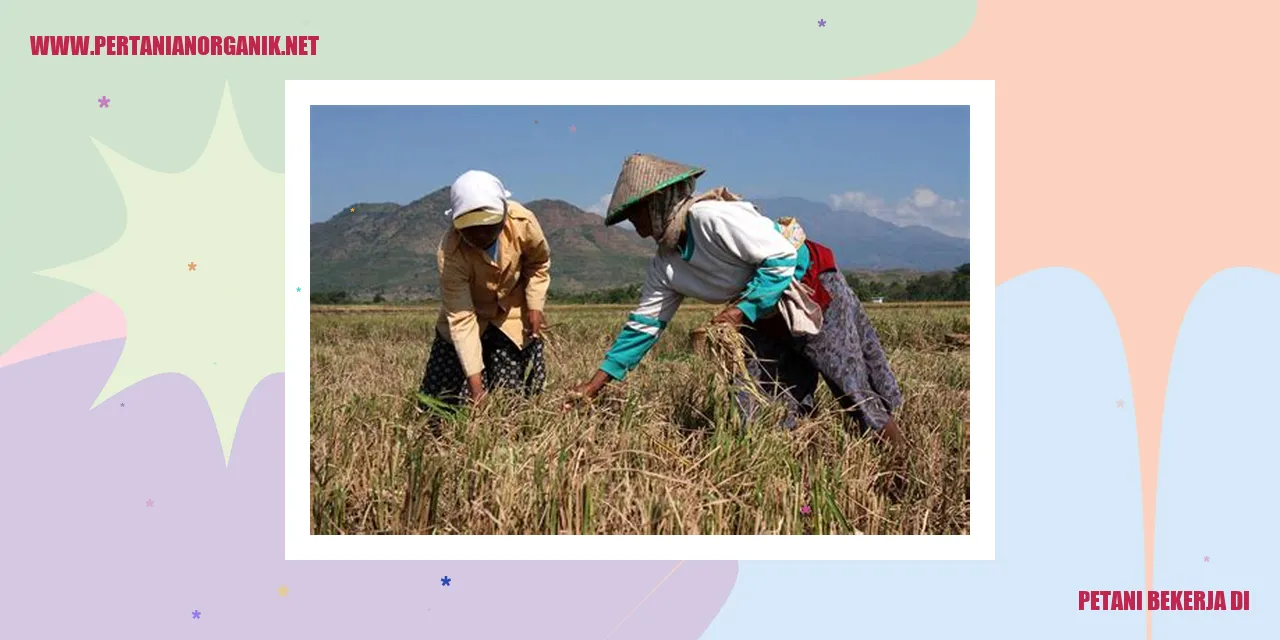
(63, 205)
(197, 272)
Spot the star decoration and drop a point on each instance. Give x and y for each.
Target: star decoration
(353, 209)
(227, 209)
(195, 615)
(1119, 404)
(444, 582)
(806, 510)
(104, 102)
(191, 266)
(572, 128)
(1206, 558)
(150, 502)
(283, 591)
(299, 289)
(821, 22)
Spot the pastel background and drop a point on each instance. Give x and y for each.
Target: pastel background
(1136, 258)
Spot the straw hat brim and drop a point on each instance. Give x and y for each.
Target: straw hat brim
(643, 176)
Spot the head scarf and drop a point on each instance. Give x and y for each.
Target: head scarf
(667, 212)
(477, 190)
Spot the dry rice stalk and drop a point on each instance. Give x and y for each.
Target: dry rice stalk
(726, 347)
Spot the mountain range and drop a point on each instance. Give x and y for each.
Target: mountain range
(388, 248)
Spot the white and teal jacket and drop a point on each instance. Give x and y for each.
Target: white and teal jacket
(730, 252)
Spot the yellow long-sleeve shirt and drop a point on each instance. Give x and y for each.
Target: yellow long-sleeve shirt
(477, 292)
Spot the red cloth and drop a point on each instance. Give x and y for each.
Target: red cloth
(821, 260)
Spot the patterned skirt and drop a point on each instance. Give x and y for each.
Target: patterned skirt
(506, 366)
(846, 354)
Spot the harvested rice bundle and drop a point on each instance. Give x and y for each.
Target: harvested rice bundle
(723, 345)
(727, 349)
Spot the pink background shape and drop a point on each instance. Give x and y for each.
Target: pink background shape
(1138, 161)
(94, 318)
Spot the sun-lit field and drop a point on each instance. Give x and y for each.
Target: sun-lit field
(657, 454)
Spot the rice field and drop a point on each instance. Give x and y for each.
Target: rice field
(660, 453)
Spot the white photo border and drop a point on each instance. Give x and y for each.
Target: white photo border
(300, 95)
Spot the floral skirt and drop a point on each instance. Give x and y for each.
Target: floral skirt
(846, 354)
(506, 366)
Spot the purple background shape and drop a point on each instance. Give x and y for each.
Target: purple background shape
(86, 558)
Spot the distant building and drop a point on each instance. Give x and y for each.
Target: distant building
(877, 300)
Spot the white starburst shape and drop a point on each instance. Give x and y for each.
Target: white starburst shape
(225, 214)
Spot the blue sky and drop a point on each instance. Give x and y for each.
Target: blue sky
(907, 164)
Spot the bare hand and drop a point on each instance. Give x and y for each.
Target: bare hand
(534, 323)
(578, 395)
(586, 391)
(475, 388)
(731, 316)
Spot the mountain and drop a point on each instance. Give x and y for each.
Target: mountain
(863, 242)
(387, 248)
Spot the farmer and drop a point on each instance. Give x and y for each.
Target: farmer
(717, 248)
(494, 270)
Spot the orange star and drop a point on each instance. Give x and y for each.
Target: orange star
(191, 266)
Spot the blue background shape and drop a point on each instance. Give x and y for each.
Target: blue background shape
(1068, 503)
(1218, 458)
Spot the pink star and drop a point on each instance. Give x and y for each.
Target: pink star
(150, 502)
(805, 510)
(1119, 404)
(1206, 558)
(572, 128)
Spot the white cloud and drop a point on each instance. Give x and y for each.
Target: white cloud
(923, 207)
(924, 197)
(600, 206)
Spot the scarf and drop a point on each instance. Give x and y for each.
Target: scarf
(673, 221)
(821, 261)
(476, 190)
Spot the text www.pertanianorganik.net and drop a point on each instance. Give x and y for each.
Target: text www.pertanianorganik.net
(174, 45)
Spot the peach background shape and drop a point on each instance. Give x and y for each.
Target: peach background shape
(1137, 161)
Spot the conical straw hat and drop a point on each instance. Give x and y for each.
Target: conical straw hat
(642, 175)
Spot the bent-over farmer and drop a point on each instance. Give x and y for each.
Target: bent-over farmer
(718, 248)
(494, 272)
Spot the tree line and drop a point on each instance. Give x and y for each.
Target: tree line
(930, 287)
(950, 286)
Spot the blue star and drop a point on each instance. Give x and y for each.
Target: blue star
(444, 582)
(299, 289)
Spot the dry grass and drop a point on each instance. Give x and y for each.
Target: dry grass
(658, 454)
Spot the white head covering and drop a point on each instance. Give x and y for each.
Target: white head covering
(477, 190)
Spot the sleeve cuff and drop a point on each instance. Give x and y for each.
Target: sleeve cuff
(615, 370)
(750, 310)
